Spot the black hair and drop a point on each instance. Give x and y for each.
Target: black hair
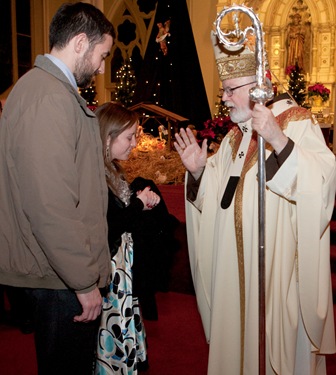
(72, 19)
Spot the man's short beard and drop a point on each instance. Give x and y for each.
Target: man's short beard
(84, 73)
(84, 81)
(84, 78)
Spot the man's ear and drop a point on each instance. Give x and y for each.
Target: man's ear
(80, 43)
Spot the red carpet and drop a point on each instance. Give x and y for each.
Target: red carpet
(176, 343)
(180, 280)
(17, 355)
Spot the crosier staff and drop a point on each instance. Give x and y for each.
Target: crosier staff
(261, 93)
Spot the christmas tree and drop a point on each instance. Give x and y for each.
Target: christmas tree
(296, 84)
(89, 94)
(221, 109)
(125, 84)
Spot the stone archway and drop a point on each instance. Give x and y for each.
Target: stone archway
(133, 22)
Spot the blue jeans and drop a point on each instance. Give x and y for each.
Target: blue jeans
(63, 347)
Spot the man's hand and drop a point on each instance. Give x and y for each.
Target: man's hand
(265, 124)
(91, 303)
(192, 155)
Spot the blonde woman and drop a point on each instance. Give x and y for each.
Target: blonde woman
(122, 339)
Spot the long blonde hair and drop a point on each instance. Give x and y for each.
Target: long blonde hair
(114, 119)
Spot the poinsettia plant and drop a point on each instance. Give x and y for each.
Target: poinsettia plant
(215, 129)
(290, 69)
(318, 89)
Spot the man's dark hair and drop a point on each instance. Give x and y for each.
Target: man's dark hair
(72, 19)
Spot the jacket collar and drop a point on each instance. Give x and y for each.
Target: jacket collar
(44, 63)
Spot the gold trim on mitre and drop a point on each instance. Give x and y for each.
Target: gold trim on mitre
(234, 63)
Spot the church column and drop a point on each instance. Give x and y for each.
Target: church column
(100, 78)
(283, 55)
(314, 72)
(332, 55)
(333, 87)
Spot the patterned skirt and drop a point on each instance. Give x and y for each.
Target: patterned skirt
(122, 336)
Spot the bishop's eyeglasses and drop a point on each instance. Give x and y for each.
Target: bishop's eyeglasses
(229, 90)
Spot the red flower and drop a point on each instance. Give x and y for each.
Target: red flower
(320, 90)
(215, 129)
(290, 69)
(207, 133)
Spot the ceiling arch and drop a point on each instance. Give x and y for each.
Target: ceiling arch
(275, 12)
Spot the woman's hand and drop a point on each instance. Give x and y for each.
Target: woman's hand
(148, 198)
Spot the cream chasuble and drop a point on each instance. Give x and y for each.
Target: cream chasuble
(223, 249)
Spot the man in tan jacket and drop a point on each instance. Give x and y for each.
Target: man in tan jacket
(53, 195)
